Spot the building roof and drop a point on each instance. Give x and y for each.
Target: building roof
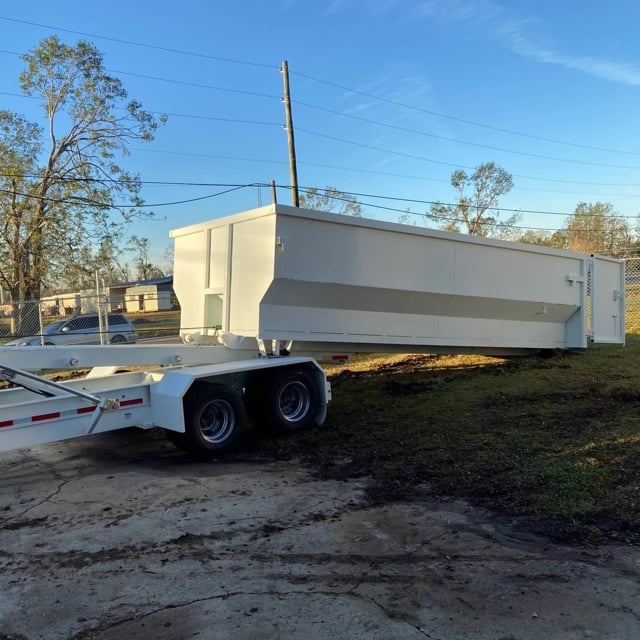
(142, 283)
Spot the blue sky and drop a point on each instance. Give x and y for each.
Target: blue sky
(389, 97)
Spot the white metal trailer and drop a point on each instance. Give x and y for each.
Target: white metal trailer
(203, 407)
(257, 286)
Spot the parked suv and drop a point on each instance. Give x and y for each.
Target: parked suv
(84, 329)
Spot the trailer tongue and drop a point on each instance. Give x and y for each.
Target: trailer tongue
(259, 286)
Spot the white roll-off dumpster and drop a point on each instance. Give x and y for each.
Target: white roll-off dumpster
(337, 283)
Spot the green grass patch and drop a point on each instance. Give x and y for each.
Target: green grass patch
(154, 324)
(554, 442)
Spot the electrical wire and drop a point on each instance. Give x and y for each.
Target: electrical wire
(131, 205)
(179, 82)
(450, 218)
(355, 194)
(395, 175)
(379, 123)
(448, 180)
(324, 82)
(421, 215)
(382, 173)
(208, 155)
(215, 118)
(463, 120)
(142, 44)
(195, 84)
(465, 142)
(451, 164)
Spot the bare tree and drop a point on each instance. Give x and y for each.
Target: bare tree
(332, 200)
(476, 209)
(145, 269)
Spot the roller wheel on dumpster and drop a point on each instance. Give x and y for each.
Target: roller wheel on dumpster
(214, 421)
(284, 401)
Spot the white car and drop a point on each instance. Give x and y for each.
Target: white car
(84, 329)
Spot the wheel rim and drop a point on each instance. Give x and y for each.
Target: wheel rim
(294, 401)
(216, 421)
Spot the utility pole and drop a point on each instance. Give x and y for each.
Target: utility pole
(293, 171)
(274, 199)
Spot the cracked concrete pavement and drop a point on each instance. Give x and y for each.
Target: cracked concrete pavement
(118, 536)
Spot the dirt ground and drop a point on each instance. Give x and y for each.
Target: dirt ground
(120, 536)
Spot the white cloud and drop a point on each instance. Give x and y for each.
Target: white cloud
(490, 19)
(514, 36)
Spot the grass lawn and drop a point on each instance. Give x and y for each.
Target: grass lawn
(553, 442)
(155, 324)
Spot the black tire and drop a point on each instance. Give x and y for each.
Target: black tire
(214, 421)
(285, 401)
(118, 339)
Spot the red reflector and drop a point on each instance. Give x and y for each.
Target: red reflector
(339, 358)
(45, 416)
(85, 410)
(128, 403)
(6, 423)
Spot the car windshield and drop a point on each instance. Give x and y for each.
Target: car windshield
(54, 327)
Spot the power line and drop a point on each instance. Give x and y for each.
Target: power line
(463, 120)
(173, 115)
(450, 164)
(392, 174)
(466, 142)
(235, 187)
(271, 96)
(179, 82)
(320, 81)
(131, 205)
(195, 84)
(142, 44)
(216, 118)
(422, 215)
(448, 180)
(260, 184)
(163, 183)
(17, 95)
(453, 219)
(318, 164)
(454, 204)
(278, 124)
(208, 155)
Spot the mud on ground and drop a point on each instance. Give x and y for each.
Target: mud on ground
(119, 535)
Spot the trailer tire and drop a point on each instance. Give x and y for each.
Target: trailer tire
(285, 402)
(214, 421)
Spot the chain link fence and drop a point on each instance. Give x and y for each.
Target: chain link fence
(632, 295)
(90, 318)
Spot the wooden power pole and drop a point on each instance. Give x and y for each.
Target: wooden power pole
(293, 170)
